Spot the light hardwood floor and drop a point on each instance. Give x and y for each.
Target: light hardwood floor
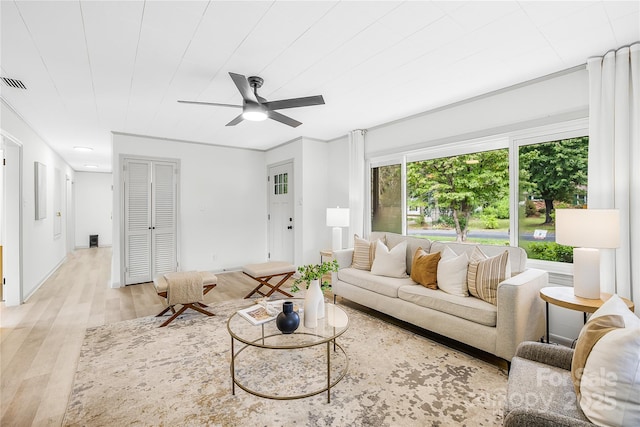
(41, 339)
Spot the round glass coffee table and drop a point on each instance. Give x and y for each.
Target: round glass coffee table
(273, 365)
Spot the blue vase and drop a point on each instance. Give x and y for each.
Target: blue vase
(287, 321)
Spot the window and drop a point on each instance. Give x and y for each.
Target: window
(280, 183)
(501, 189)
(552, 175)
(386, 198)
(462, 198)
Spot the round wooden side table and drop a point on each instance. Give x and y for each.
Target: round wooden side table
(563, 296)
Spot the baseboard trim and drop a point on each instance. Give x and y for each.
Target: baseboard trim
(46, 277)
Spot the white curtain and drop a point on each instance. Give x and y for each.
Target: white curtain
(356, 184)
(614, 161)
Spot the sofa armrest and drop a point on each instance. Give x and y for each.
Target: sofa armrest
(520, 314)
(522, 417)
(548, 354)
(344, 257)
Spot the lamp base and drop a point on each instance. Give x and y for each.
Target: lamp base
(586, 273)
(336, 241)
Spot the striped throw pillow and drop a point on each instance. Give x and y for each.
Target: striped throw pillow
(364, 252)
(484, 274)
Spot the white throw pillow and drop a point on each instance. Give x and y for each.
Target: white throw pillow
(452, 273)
(390, 263)
(610, 380)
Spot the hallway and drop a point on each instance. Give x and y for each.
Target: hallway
(41, 339)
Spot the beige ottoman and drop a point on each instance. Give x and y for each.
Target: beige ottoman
(209, 281)
(264, 272)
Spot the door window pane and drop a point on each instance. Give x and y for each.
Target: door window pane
(386, 199)
(461, 198)
(552, 175)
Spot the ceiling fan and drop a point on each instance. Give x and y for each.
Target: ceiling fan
(256, 108)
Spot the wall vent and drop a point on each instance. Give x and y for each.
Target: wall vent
(14, 83)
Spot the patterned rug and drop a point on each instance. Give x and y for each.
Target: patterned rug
(134, 373)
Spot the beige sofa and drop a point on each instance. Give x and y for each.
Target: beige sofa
(518, 316)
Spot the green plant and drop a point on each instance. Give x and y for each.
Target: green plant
(312, 272)
(489, 222)
(550, 251)
(530, 208)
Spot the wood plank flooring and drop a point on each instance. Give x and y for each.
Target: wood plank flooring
(40, 340)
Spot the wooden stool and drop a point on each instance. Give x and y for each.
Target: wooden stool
(209, 281)
(264, 272)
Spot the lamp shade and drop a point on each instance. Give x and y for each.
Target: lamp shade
(337, 217)
(588, 228)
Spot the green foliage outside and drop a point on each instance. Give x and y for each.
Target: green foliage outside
(550, 251)
(460, 184)
(555, 171)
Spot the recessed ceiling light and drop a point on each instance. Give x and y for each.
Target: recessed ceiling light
(78, 148)
(91, 166)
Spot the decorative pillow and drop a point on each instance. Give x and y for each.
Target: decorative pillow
(424, 268)
(484, 274)
(452, 273)
(390, 263)
(364, 252)
(606, 366)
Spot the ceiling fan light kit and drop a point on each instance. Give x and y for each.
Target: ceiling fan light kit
(256, 108)
(254, 112)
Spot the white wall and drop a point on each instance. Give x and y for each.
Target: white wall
(338, 180)
(222, 202)
(41, 252)
(311, 171)
(545, 101)
(94, 206)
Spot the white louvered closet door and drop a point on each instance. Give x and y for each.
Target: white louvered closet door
(164, 218)
(150, 219)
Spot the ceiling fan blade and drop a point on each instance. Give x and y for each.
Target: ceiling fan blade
(235, 121)
(294, 102)
(211, 103)
(283, 119)
(243, 86)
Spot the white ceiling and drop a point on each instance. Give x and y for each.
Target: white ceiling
(92, 67)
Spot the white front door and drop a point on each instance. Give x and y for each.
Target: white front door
(281, 221)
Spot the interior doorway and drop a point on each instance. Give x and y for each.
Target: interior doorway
(280, 215)
(10, 221)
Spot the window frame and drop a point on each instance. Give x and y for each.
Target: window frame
(512, 140)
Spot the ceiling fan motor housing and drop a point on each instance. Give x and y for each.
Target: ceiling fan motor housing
(255, 81)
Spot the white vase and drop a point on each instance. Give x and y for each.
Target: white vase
(313, 305)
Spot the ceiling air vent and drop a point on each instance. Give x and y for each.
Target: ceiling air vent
(15, 83)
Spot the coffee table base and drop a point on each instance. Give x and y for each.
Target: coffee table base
(329, 385)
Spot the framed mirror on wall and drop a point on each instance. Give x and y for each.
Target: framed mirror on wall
(40, 184)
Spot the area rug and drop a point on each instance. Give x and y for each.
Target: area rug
(134, 373)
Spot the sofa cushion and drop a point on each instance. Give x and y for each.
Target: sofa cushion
(606, 366)
(473, 309)
(390, 262)
(484, 274)
(387, 286)
(424, 268)
(452, 273)
(517, 256)
(413, 243)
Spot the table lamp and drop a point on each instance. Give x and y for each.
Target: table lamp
(337, 218)
(588, 230)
